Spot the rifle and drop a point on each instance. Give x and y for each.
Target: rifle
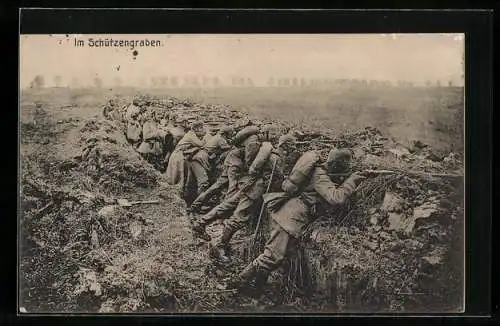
(374, 173)
(320, 141)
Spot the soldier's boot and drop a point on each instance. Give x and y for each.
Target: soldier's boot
(200, 224)
(244, 278)
(221, 250)
(195, 206)
(202, 188)
(261, 278)
(198, 202)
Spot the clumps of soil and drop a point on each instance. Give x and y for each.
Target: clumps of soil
(110, 161)
(395, 247)
(81, 252)
(154, 109)
(55, 227)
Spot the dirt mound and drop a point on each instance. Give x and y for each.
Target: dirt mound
(153, 108)
(423, 221)
(110, 162)
(81, 252)
(395, 247)
(393, 250)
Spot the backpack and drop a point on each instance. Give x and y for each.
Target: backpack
(245, 133)
(261, 158)
(301, 172)
(149, 130)
(134, 131)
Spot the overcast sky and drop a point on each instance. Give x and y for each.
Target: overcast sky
(410, 57)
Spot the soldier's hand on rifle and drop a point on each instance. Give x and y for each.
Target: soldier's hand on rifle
(253, 172)
(366, 173)
(357, 178)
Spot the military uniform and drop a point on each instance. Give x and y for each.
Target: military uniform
(251, 188)
(232, 169)
(246, 140)
(173, 134)
(188, 165)
(197, 159)
(151, 148)
(288, 152)
(215, 145)
(290, 217)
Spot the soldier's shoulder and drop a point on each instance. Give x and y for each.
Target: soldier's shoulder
(319, 170)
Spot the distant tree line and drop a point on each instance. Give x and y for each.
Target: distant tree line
(235, 81)
(344, 82)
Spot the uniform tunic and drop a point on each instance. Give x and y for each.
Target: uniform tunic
(232, 169)
(252, 188)
(290, 220)
(172, 136)
(134, 132)
(215, 144)
(187, 152)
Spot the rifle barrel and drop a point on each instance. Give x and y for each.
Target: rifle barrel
(387, 172)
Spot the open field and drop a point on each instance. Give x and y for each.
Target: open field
(81, 254)
(431, 115)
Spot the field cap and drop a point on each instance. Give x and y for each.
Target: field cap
(268, 128)
(338, 155)
(226, 129)
(286, 139)
(196, 124)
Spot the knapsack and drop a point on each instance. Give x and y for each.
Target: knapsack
(245, 133)
(301, 172)
(134, 131)
(261, 158)
(149, 130)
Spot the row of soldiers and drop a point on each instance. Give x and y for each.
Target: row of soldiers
(252, 168)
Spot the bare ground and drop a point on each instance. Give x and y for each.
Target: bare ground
(78, 257)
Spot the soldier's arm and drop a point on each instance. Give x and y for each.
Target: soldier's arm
(223, 145)
(196, 141)
(329, 191)
(251, 150)
(233, 175)
(277, 162)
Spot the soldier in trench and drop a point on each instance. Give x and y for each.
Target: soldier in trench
(232, 169)
(134, 129)
(245, 141)
(288, 151)
(217, 146)
(174, 131)
(263, 167)
(152, 147)
(294, 209)
(189, 164)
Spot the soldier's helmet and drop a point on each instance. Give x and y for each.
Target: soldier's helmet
(269, 131)
(196, 125)
(225, 130)
(213, 128)
(339, 159)
(180, 120)
(286, 140)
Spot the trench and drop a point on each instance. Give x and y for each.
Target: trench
(147, 261)
(322, 275)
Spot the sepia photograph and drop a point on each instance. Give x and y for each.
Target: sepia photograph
(241, 173)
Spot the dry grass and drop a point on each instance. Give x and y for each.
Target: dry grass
(146, 259)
